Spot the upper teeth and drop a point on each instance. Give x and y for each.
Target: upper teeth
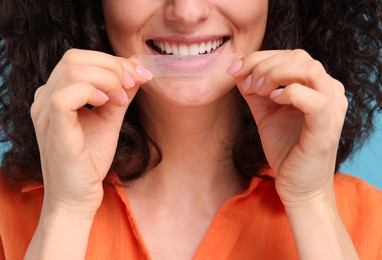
(188, 49)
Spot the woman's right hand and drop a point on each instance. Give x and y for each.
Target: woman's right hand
(77, 144)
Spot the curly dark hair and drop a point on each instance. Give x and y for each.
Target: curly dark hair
(344, 35)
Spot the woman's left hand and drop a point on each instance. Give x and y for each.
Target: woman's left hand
(299, 124)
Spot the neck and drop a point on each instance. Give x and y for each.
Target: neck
(196, 144)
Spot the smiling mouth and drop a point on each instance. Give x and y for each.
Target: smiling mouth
(166, 48)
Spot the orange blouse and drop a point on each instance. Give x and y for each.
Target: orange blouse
(252, 225)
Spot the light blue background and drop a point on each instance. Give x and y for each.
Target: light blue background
(365, 164)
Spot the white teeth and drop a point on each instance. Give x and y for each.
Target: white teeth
(161, 46)
(208, 46)
(191, 49)
(202, 47)
(175, 49)
(214, 44)
(183, 50)
(168, 48)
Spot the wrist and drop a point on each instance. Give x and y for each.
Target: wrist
(83, 205)
(318, 230)
(321, 201)
(70, 210)
(60, 234)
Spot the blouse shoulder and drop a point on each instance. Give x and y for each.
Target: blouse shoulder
(8, 188)
(9, 193)
(17, 196)
(20, 208)
(354, 193)
(360, 207)
(348, 187)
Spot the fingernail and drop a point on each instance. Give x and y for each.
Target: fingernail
(125, 97)
(275, 93)
(145, 73)
(247, 83)
(259, 83)
(103, 94)
(129, 79)
(235, 67)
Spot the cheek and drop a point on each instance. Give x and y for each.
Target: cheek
(118, 16)
(250, 25)
(124, 20)
(248, 12)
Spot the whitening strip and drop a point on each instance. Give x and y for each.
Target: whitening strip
(204, 65)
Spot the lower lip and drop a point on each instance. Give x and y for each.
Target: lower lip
(192, 63)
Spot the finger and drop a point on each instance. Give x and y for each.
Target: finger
(76, 96)
(139, 76)
(38, 111)
(40, 122)
(62, 106)
(117, 112)
(253, 67)
(248, 62)
(284, 57)
(65, 104)
(35, 111)
(314, 105)
(309, 73)
(301, 97)
(280, 58)
(268, 59)
(38, 92)
(103, 79)
(96, 59)
(130, 71)
(136, 69)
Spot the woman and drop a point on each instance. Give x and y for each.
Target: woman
(136, 166)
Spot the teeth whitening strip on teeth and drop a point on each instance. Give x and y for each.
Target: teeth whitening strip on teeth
(205, 65)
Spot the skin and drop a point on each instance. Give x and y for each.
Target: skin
(299, 126)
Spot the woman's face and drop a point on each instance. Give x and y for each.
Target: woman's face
(185, 27)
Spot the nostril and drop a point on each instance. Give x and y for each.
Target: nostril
(187, 12)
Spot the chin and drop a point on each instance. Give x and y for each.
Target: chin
(189, 92)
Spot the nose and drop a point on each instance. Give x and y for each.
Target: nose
(187, 12)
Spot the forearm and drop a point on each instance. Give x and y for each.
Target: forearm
(60, 235)
(319, 232)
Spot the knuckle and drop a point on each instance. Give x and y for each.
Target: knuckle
(87, 88)
(115, 63)
(56, 102)
(344, 104)
(71, 55)
(34, 111)
(331, 141)
(299, 54)
(39, 126)
(315, 69)
(291, 91)
(340, 92)
(38, 118)
(340, 86)
(114, 81)
(321, 105)
(38, 91)
(74, 73)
